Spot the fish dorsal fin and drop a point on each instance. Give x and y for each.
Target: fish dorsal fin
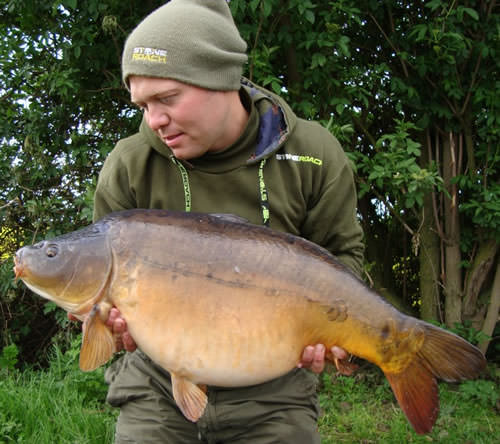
(228, 217)
(98, 344)
(190, 398)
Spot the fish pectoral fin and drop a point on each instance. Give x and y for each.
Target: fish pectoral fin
(190, 398)
(98, 344)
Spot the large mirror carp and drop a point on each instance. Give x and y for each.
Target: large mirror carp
(217, 301)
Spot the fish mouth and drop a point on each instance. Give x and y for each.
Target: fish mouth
(18, 267)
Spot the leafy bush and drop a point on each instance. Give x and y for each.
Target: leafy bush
(8, 358)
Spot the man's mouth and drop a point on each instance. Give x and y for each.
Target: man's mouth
(172, 138)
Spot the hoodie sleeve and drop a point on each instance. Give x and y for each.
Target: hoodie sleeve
(113, 191)
(331, 218)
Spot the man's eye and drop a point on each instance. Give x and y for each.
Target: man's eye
(166, 100)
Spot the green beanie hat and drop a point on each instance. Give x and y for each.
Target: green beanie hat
(193, 41)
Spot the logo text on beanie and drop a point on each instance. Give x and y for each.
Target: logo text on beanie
(154, 55)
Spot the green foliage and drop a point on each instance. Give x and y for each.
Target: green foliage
(392, 80)
(11, 429)
(64, 366)
(465, 330)
(484, 208)
(469, 333)
(63, 108)
(259, 61)
(60, 316)
(482, 393)
(394, 168)
(405, 272)
(9, 358)
(58, 405)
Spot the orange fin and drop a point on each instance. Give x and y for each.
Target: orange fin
(417, 393)
(450, 357)
(98, 344)
(345, 367)
(190, 398)
(443, 355)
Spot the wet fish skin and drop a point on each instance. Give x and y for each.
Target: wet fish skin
(216, 301)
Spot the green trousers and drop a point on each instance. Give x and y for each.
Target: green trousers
(284, 410)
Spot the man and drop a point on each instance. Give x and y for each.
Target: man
(213, 142)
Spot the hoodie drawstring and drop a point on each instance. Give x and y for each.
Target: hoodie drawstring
(185, 183)
(264, 202)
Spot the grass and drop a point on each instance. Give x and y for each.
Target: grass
(37, 408)
(362, 409)
(59, 405)
(64, 405)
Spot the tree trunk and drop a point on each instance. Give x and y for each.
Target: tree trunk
(483, 262)
(493, 310)
(429, 251)
(453, 274)
(429, 266)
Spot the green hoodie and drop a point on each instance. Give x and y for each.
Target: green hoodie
(284, 172)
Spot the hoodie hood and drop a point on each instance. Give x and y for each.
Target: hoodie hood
(270, 123)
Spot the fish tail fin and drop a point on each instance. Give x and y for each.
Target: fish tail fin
(417, 393)
(450, 357)
(443, 355)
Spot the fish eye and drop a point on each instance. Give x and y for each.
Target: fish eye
(51, 251)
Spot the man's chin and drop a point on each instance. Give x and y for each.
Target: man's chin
(186, 153)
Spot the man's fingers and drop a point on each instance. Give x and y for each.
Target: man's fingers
(313, 357)
(339, 353)
(114, 314)
(318, 362)
(128, 342)
(307, 356)
(119, 326)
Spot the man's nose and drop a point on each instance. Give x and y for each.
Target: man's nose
(156, 118)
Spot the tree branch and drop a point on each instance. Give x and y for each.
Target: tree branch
(10, 203)
(359, 123)
(392, 211)
(439, 227)
(396, 50)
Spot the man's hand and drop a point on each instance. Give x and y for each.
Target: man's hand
(123, 339)
(120, 331)
(313, 358)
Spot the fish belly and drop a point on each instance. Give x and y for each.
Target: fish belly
(214, 333)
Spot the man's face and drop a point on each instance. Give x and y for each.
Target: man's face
(189, 119)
